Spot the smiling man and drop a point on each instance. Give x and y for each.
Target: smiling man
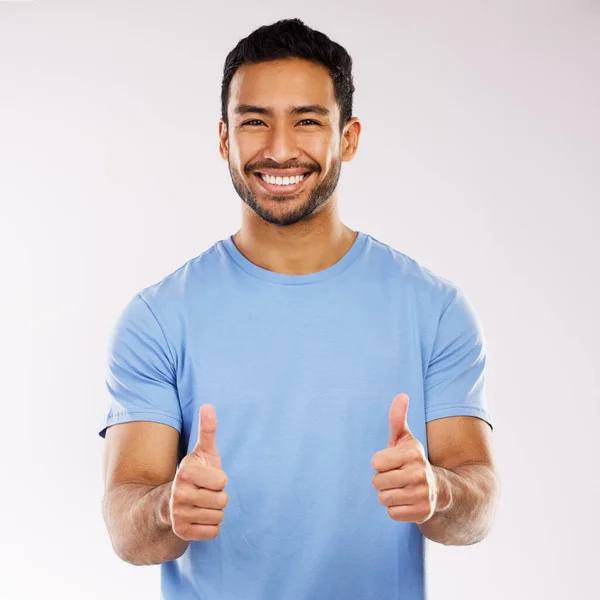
(313, 126)
(348, 379)
(286, 123)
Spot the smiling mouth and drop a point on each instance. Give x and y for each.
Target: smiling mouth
(274, 188)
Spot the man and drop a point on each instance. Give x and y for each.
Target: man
(347, 379)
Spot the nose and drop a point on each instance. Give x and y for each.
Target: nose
(281, 146)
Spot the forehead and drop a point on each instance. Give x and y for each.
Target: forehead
(282, 83)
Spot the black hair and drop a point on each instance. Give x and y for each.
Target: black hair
(291, 38)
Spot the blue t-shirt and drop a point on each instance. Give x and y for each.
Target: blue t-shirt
(302, 371)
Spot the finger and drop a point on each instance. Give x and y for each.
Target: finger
(408, 496)
(207, 430)
(202, 516)
(396, 478)
(205, 477)
(398, 419)
(408, 514)
(395, 457)
(203, 498)
(199, 532)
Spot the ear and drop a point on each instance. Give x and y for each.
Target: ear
(350, 137)
(223, 140)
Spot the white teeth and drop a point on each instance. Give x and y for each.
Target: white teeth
(282, 180)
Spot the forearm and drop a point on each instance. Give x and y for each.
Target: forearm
(137, 517)
(466, 505)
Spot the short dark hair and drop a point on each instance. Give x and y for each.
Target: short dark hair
(291, 38)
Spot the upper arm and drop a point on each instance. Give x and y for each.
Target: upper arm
(141, 375)
(454, 383)
(459, 426)
(140, 452)
(453, 441)
(141, 430)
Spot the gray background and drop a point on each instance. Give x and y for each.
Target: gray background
(478, 157)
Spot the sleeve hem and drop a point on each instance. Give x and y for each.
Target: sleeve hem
(458, 411)
(141, 415)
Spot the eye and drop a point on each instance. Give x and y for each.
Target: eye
(309, 121)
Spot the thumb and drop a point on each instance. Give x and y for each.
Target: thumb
(206, 446)
(398, 420)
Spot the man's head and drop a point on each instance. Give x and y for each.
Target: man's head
(286, 106)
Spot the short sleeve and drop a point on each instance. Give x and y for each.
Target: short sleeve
(140, 377)
(455, 378)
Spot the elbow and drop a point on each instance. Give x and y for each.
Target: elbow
(117, 542)
(129, 559)
(477, 538)
(478, 526)
(133, 558)
(489, 513)
(123, 553)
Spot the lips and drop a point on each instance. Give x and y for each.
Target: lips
(283, 172)
(282, 189)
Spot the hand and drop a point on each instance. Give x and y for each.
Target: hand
(197, 496)
(405, 478)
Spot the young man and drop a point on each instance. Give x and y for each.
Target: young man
(348, 380)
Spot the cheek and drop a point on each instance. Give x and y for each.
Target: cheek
(322, 152)
(249, 143)
(330, 155)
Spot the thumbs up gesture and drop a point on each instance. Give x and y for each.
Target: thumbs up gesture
(197, 497)
(404, 478)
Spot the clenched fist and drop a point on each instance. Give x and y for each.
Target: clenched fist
(405, 479)
(197, 497)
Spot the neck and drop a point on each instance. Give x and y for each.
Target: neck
(308, 246)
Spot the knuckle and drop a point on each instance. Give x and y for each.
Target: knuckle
(418, 479)
(180, 531)
(177, 491)
(179, 500)
(416, 454)
(424, 492)
(424, 508)
(183, 474)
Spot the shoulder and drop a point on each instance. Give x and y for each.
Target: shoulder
(175, 288)
(412, 277)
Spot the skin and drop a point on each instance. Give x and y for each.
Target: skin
(293, 235)
(152, 509)
(451, 496)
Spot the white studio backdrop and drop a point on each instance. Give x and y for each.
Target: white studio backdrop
(479, 158)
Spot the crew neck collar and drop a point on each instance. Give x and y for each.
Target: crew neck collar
(286, 279)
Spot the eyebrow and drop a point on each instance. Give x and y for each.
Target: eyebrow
(242, 109)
